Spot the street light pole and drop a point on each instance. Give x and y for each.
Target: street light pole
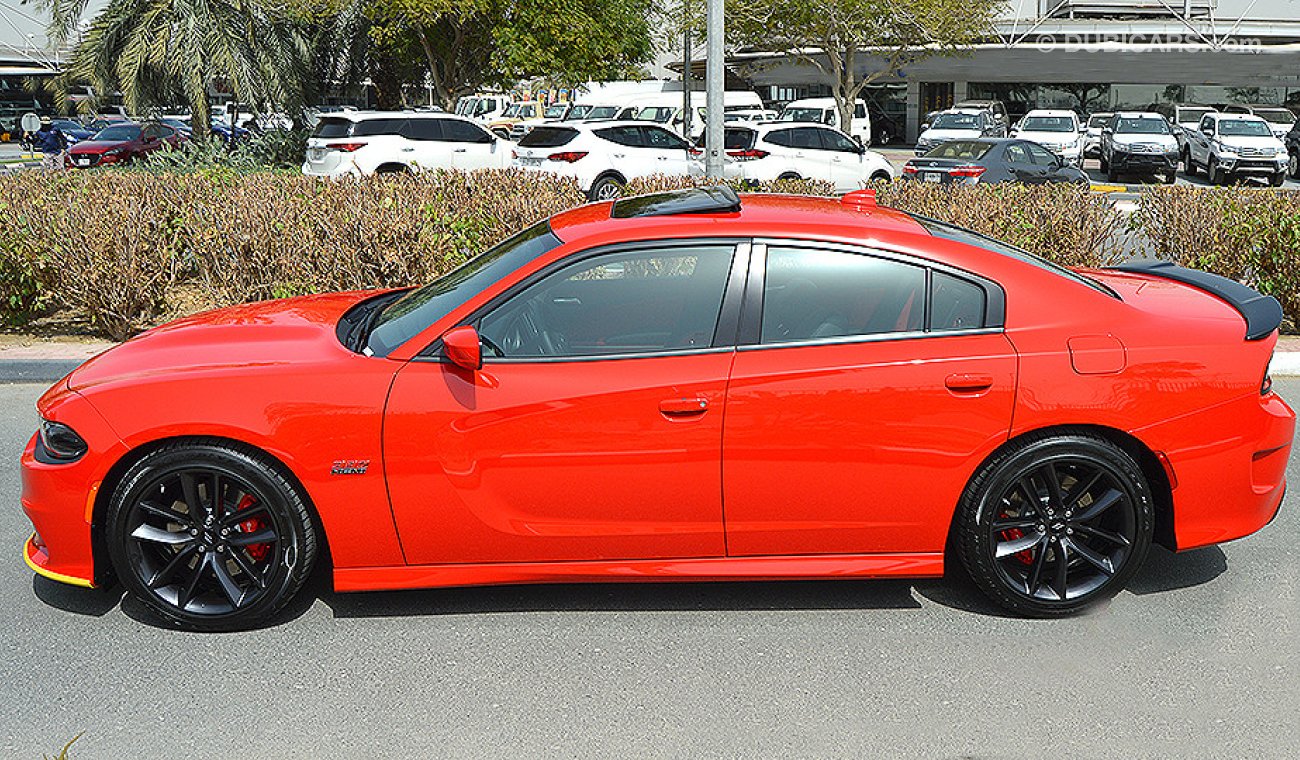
(714, 74)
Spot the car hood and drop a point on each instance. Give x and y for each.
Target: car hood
(1252, 142)
(1054, 138)
(99, 146)
(244, 337)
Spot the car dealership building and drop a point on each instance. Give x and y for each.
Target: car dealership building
(1089, 55)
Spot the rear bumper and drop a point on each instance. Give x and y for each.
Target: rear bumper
(1229, 462)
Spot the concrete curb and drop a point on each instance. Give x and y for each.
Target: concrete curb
(1285, 364)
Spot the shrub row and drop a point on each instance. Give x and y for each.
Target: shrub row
(125, 250)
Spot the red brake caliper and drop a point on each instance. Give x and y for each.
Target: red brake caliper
(252, 525)
(1011, 534)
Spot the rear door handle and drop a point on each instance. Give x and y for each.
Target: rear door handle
(683, 407)
(964, 382)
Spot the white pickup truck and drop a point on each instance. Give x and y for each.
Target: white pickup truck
(1231, 146)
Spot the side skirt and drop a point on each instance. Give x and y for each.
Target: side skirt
(913, 565)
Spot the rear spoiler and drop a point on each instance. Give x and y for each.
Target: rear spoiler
(1263, 313)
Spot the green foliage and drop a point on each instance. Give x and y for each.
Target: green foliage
(22, 274)
(274, 149)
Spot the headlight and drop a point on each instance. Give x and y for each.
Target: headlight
(60, 442)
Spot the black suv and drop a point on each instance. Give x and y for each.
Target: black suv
(1292, 141)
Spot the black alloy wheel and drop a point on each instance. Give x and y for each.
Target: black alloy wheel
(1056, 524)
(210, 537)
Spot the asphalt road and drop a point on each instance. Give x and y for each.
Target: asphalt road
(1200, 658)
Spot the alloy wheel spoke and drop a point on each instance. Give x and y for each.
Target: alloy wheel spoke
(191, 588)
(1104, 535)
(1061, 584)
(1054, 497)
(1035, 579)
(165, 513)
(218, 508)
(247, 569)
(263, 536)
(1096, 560)
(171, 566)
(1013, 523)
(1017, 545)
(1081, 490)
(228, 586)
(147, 532)
(190, 488)
(1095, 509)
(240, 515)
(1030, 493)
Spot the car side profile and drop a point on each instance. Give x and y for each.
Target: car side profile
(123, 142)
(794, 150)
(603, 156)
(361, 143)
(991, 160)
(958, 124)
(682, 386)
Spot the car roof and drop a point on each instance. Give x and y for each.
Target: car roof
(809, 102)
(1051, 112)
(368, 115)
(963, 111)
(1236, 116)
(1138, 115)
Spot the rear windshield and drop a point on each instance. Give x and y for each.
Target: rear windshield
(333, 127)
(1192, 115)
(1099, 119)
(579, 112)
(965, 149)
(961, 235)
(1276, 115)
(733, 139)
(602, 112)
(802, 114)
(660, 114)
(548, 137)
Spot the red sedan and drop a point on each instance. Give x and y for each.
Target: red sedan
(687, 386)
(121, 143)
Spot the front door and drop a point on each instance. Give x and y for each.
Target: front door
(855, 421)
(593, 430)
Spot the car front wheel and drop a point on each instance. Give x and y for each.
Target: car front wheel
(1055, 523)
(1189, 166)
(210, 536)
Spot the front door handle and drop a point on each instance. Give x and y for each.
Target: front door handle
(683, 407)
(964, 382)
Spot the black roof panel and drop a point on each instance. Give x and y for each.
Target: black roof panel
(697, 200)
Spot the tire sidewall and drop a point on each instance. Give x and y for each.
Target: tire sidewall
(980, 504)
(296, 550)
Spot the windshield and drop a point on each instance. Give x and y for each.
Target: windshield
(1244, 128)
(801, 114)
(955, 121)
(602, 112)
(1192, 115)
(965, 149)
(555, 112)
(120, 133)
(1099, 119)
(1047, 124)
(406, 317)
(579, 112)
(660, 114)
(1276, 115)
(1149, 125)
(511, 110)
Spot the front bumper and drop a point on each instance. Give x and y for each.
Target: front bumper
(37, 558)
(1256, 166)
(1144, 162)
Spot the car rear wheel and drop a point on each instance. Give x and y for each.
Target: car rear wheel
(790, 176)
(606, 189)
(210, 536)
(1055, 523)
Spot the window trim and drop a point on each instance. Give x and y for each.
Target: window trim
(749, 337)
(729, 312)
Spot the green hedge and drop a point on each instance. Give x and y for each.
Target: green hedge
(126, 250)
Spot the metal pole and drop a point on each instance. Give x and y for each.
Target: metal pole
(686, 81)
(713, 121)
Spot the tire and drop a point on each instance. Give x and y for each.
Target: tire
(1212, 172)
(789, 175)
(606, 188)
(162, 536)
(880, 177)
(1293, 163)
(1171, 176)
(1189, 166)
(1041, 558)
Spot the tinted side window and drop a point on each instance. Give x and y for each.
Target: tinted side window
(859, 111)
(654, 137)
(806, 138)
(1016, 154)
(423, 129)
(811, 294)
(629, 136)
(1039, 155)
(838, 142)
(333, 127)
(463, 132)
(782, 137)
(643, 301)
(372, 127)
(955, 304)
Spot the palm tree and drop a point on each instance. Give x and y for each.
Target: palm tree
(158, 52)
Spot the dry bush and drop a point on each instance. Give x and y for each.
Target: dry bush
(1248, 234)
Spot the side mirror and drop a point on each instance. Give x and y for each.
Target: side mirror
(461, 345)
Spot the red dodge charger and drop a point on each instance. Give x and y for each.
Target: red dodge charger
(684, 386)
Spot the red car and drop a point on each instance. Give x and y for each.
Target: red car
(686, 386)
(123, 142)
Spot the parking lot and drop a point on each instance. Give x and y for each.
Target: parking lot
(1200, 658)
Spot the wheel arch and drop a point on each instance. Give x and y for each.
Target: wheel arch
(393, 167)
(113, 477)
(1147, 460)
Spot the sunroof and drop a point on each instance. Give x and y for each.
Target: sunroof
(697, 200)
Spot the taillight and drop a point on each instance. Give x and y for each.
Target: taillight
(345, 147)
(1266, 387)
(969, 170)
(514, 154)
(747, 155)
(695, 152)
(909, 169)
(567, 156)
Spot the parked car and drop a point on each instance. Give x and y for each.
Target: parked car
(514, 113)
(358, 143)
(995, 107)
(1139, 143)
(1292, 143)
(221, 128)
(867, 392)
(604, 156)
(484, 107)
(753, 115)
(180, 125)
(1279, 119)
(666, 109)
(1235, 146)
(791, 150)
(75, 131)
(553, 112)
(992, 160)
(1183, 118)
(1057, 130)
(958, 124)
(1092, 136)
(122, 143)
(824, 111)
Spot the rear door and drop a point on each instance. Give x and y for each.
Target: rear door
(855, 412)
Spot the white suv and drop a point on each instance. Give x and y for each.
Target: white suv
(604, 155)
(358, 143)
(825, 111)
(1058, 131)
(793, 150)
